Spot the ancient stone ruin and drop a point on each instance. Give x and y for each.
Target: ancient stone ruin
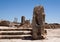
(24, 22)
(22, 19)
(38, 23)
(35, 30)
(4, 23)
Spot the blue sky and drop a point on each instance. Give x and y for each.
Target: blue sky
(9, 9)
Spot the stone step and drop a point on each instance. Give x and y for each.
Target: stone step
(15, 33)
(13, 36)
(15, 29)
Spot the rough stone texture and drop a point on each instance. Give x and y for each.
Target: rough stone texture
(52, 26)
(22, 19)
(38, 23)
(4, 23)
(25, 23)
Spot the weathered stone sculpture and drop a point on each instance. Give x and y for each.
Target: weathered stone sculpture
(38, 23)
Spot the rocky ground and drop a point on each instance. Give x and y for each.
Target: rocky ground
(53, 35)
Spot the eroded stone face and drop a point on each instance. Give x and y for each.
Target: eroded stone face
(38, 22)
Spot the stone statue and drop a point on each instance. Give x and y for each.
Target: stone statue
(38, 23)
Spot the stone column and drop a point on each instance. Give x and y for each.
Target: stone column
(22, 19)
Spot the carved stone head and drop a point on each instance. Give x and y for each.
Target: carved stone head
(38, 10)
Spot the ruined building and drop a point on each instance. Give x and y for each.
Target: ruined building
(38, 23)
(24, 22)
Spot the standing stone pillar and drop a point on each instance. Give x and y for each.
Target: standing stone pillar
(22, 19)
(38, 23)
